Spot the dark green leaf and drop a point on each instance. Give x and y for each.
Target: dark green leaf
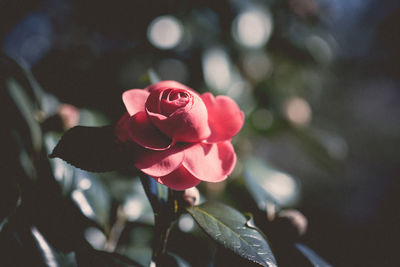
(229, 228)
(313, 257)
(92, 148)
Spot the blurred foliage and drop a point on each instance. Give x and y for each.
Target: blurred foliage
(318, 81)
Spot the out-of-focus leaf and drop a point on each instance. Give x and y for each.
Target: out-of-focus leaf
(50, 257)
(24, 245)
(86, 189)
(95, 237)
(156, 193)
(27, 109)
(313, 257)
(104, 259)
(141, 254)
(92, 148)
(136, 206)
(268, 185)
(154, 78)
(136, 241)
(173, 260)
(92, 118)
(62, 171)
(226, 258)
(229, 228)
(91, 196)
(9, 194)
(150, 77)
(316, 147)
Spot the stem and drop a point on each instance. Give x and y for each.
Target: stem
(160, 245)
(163, 224)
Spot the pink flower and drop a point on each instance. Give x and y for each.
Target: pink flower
(180, 137)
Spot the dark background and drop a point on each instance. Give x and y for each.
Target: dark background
(340, 58)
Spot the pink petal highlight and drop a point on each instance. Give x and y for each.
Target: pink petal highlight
(224, 117)
(186, 124)
(210, 162)
(143, 132)
(159, 163)
(135, 100)
(180, 179)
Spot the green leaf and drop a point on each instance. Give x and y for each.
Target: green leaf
(93, 149)
(230, 228)
(313, 257)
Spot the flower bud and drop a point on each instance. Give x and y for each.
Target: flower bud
(69, 115)
(191, 196)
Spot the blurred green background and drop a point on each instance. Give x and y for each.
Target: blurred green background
(318, 81)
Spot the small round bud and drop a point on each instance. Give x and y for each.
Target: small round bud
(69, 115)
(191, 196)
(293, 222)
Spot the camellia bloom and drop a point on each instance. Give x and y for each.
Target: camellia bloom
(180, 138)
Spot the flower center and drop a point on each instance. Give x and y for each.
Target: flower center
(171, 100)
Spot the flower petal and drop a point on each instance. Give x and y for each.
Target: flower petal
(159, 163)
(143, 132)
(210, 162)
(168, 84)
(121, 131)
(180, 179)
(224, 117)
(135, 100)
(186, 124)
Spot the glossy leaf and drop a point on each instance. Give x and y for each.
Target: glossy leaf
(230, 228)
(313, 257)
(92, 148)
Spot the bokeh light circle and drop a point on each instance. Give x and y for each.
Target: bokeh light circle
(165, 32)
